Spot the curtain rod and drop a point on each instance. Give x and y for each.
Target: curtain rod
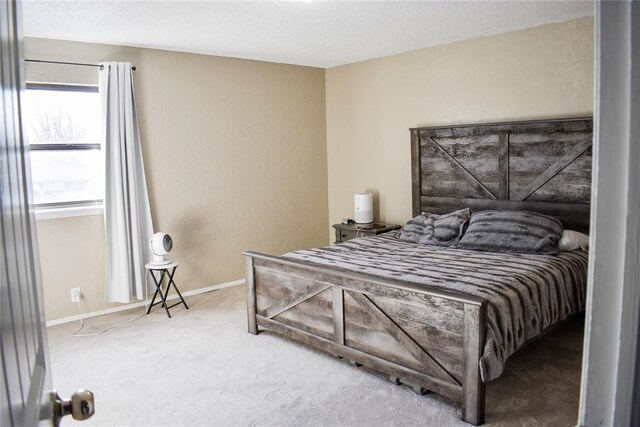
(69, 63)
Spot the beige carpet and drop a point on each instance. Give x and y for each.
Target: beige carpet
(202, 368)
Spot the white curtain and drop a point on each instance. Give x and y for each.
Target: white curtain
(127, 215)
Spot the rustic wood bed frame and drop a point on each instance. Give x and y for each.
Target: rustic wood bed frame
(431, 340)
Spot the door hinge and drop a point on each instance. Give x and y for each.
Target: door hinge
(80, 406)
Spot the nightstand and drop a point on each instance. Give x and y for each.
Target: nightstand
(346, 232)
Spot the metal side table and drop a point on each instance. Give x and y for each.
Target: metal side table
(169, 270)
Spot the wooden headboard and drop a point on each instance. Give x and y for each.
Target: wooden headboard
(542, 166)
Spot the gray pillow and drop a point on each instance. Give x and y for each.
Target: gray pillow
(436, 230)
(512, 232)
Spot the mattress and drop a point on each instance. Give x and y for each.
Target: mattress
(526, 293)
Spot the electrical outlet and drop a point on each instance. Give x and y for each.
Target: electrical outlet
(75, 294)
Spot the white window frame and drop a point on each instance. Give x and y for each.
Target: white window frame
(73, 208)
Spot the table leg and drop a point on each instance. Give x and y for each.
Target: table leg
(171, 282)
(164, 301)
(162, 280)
(155, 281)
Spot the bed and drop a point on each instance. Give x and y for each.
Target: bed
(439, 319)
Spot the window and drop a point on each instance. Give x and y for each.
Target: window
(64, 127)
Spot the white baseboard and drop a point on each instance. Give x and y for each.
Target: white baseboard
(141, 304)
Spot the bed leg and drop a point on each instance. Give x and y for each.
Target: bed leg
(251, 297)
(416, 388)
(473, 405)
(421, 391)
(473, 389)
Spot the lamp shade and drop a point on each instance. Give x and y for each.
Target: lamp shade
(363, 208)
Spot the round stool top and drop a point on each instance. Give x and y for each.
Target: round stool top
(152, 266)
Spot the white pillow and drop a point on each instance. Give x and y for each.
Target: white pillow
(572, 240)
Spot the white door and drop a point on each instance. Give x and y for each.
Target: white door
(26, 392)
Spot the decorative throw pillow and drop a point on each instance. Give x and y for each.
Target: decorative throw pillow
(437, 230)
(572, 240)
(512, 232)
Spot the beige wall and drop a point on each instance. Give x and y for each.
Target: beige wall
(235, 157)
(540, 72)
(235, 150)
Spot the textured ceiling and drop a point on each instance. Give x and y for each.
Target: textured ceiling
(314, 33)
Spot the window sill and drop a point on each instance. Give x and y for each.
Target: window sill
(67, 212)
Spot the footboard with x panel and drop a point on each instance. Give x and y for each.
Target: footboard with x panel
(429, 339)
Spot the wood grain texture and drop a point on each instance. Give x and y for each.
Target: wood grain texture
(364, 332)
(461, 171)
(503, 166)
(338, 314)
(553, 170)
(473, 390)
(281, 286)
(294, 299)
(542, 166)
(441, 314)
(415, 171)
(251, 296)
(431, 366)
(533, 126)
(313, 315)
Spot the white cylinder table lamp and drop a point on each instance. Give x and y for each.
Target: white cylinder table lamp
(363, 208)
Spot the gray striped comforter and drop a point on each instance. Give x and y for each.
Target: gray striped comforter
(526, 293)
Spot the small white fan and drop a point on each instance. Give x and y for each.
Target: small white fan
(160, 244)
